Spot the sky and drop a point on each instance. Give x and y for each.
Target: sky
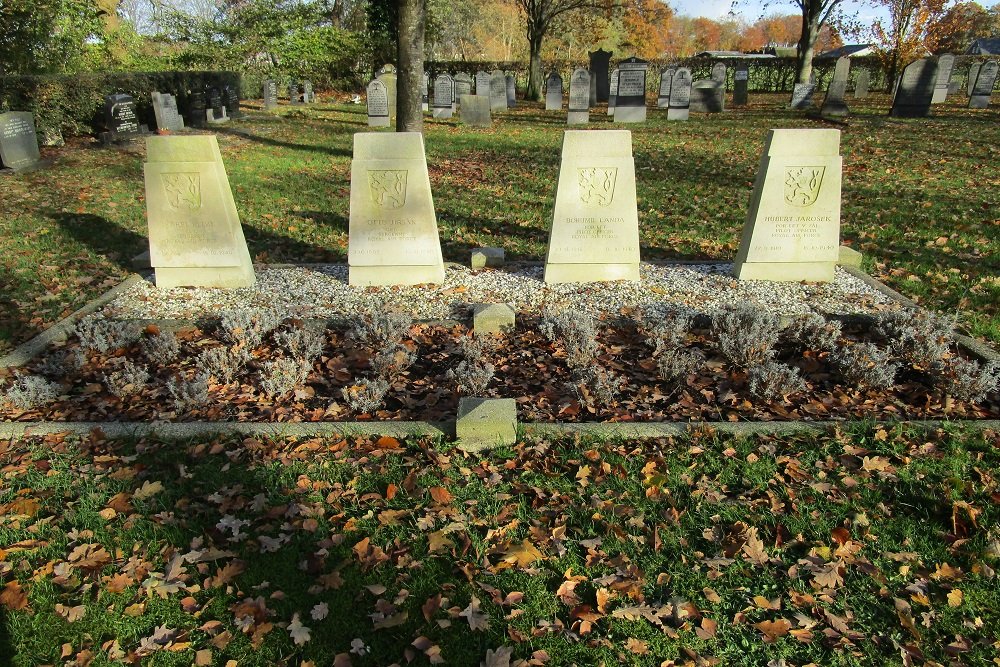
(751, 10)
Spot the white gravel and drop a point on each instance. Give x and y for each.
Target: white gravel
(321, 291)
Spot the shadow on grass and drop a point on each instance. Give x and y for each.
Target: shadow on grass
(245, 134)
(6, 649)
(101, 235)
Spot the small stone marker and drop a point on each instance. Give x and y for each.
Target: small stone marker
(425, 100)
(973, 73)
(463, 86)
(833, 103)
(498, 91)
(792, 231)
(708, 96)
(600, 64)
(483, 84)
(946, 64)
(511, 89)
(492, 318)
(983, 90)
(614, 91)
(595, 225)
(630, 100)
(553, 92)
(719, 74)
(120, 118)
(680, 95)
(485, 422)
(308, 96)
(666, 79)
(483, 258)
(741, 81)
(849, 257)
(861, 87)
(475, 111)
(580, 87)
(270, 93)
(915, 90)
(444, 96)
(18, 141)
(378, 104)
(802, 96)
(195, 236)
(293, 93)
(393, 235)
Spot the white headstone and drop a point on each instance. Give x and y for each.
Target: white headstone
(498, 91)
(553, 92)
(378, 104)
(579, 97)
(444, 96)
(680, 95)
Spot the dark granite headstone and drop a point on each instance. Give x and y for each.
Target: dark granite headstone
(215, 103)
(833, 103)
(666, 79)
(270, 94)
(946, 64)
(915, 90)
(973, 73)
(861, 86)
(444, 96)
(197, 105)
(802, 96)
(680, 95)
(579, 97)
(553, 92)
(511, 83)
(983, 90)
(630, 98)
(120, 117)
(232, 100)
(378, 104)
(741, 81)
(18, 140)
(600, 61)
(708, 96)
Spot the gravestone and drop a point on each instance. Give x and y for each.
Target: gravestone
(792, 231)
(836, 92)
(195, 237)
(444, 96)
(378, 104)
(973, 73)
(680, 95)
(630, 99)
(595, 225)
(946, 64)
(553, 92)
(600, 62)
(861, 87)
(120, 118)
(708, 96)
(953, 86)
(483, 84)
(983, 90)
(666, 78)
(915, 90)
(511, 90)
(393, 235)
(498, 91)
(165, 111)
(216, 112)
(308, 96)
(719, 74)
(18, 141)
(475, 110)
(802, 96)
(614, 92)
(387, 75)
(270, 93)
(741, 81)
(232, 99)
(197, 108)
(293, 93)
(425, 100)
(593, 91)
(463, 86)
(579, 97)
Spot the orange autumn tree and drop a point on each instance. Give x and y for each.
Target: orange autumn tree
(906, 35)
(647, 26)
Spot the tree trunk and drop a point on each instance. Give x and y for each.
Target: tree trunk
(807, 46)
(535, 36)
(410, 74)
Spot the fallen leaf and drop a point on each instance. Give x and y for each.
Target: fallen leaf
(955, 597)
(499, 658)
(148, 490)
(773, 629)
(477, 619)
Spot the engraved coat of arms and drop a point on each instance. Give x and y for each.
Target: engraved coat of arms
(388, 187)
(802, 185)
(183, 190)
(597, 185)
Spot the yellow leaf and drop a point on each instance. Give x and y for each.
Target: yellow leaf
(148, 490)
(955, 598)
(524, 555)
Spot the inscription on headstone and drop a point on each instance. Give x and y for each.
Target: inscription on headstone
(553, 92)
(270, 92)
(680, 95)
(378, 104)
(600, 62)
(630, 100)
(833, 103)
(666, 79)
(165, 111)
(946, 64)
(444, 93)
(387, 75)
(983, 90)
(741, 81)
(498, 91)
(579, 97)
(18, 140)
(915, 90)
(232, 100)
(120, 117)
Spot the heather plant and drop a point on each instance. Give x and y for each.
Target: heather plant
(29, 392)
(189, 392)
(366, 397)
(280, 376)
(966, 379)
(815, 332)
(59, 364)
(248, 327)
(576, 331)
(675, 366)
(126, 380)
(472, 375)
(302, 342)
(922, 338)
(161, 348)
(772, 380)
(596, 385)
(390, 362)
(866, 364)
(666, 328)
(103, 335)
(222, 363)
(745, 334)
(380, 330)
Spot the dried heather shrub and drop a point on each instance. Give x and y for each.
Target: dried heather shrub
(745, 334)
(161, 348)
(280, 376)
(968, 380)
(59, 364)
(189, 393)
(473, 374)
(922, 338)
(381, 330)
(772, 380)
(29, 392)
(675, 366)
(576, 331)
(815, 332)
(302, 342)
(248, 327)
(666, 327)
(866, 364)
(596, 385)
(126, 380)
(102, 335)
(221, 363)
(367, 396)
(389, 363)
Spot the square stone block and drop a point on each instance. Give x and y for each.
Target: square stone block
(492, 318)
(849, 257)
(486, 422)
(487, 257)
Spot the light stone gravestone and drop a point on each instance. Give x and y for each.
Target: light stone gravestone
(915, 90)
(836, 92)
(983, 90)
(600, 64)
(792, 231)
(946, 64)
(425, 100)
(680, 95)
(708, 96)
(511, 90)
(270, 93)
(444, 96)
(973, 73)
(719, 74)
(861, 86)
(614, 91)
(308, 96)
(498, 91)
(666, 79)
(475, 110)
(463, 86)
(579, 97)
(630, 100)
(18, 141)
(387, 75)
(165, 111)
(378, 104)
(802, 96)
(393, 235)
(195, 236)
(483, 84)
(741, 82)
(553, 92)
(595, 225)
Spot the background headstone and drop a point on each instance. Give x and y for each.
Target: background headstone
(741, 83)
(216, 112)
(308, 96)
(983, 90)
(498, 91)
(861, 86)
(834, 103)
(463, 86)
(973, 73)
(425, 100)
(595, 225)
(483, 83)
(378, 104)
(600, 63)
(511, 90)
(387, 75)
(270, 93)
(293, 93)
(792, 231)
(475, 110)
(946, 63)
(553, 92)
(195, 236)
(630, 99)
(444, 96)
(392, 235)
(680, 95)
(708, 96)
(719, 74)
(915, 90)
(165, 111)
(197, 106)
(802, 96)
(120, 117)
(18, 140)
(232, 100)
(613, 92)
(579, 97)
(666, 79)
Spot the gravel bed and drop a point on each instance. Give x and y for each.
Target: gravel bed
(321, 291)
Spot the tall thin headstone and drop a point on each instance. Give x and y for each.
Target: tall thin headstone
(600, 63)
(973, 73)
(444, 96)
(861, 85)
(595, 225)
(425, 100)
(18, 141)
(666, 79)
(834, 103)
(680, 95)
(483, 83)
(231, 95)
(741, 81)
(792, 231)
(510, 88)
(946, 64)
(387, 75)
(983, 90)
(195, 236)
(392, 235)
(378, 104)
(579, 97)
(553, 91)
(630, 100)
(308, 96)
(498, 91)
(294, 97)
(197, 107)
(270, 93)
(614, 91)
(165, 111)
(915, 90)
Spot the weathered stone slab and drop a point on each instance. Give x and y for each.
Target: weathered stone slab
(802, 96)
(444, 96)
(680, 95)
(294, 96)
(595, 225)
(18, 141)
(463, 86)
(498, 91)
(387, 75)
(483, 80)
(614, 91)
(792, 231)
(475, 111)
(510, 82)
(378, 104)
(580, 88)
(719, 74)
(848, 256)
(973, 73)
(308, 96)
(553, 92)
(269, 91)
(861, 86)
(486, 422)
(741, 81)
(492, 318)
(983, 90)
(195, 236)
(425, 100)
(915, 90)
(630, 99)
(393, 235)
(165, 121)
(834, 103)
(483, 258)
(666, 80)
(946, 64)
(708, 96)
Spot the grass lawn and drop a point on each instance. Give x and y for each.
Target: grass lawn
(866, 545)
